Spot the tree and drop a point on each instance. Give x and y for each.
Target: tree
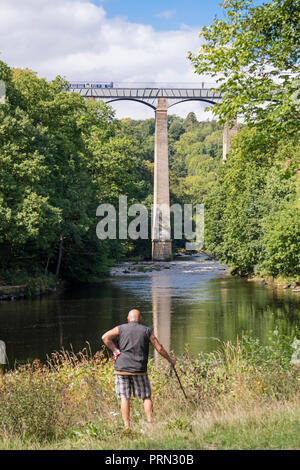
(281, 240)
(190, 122)
(60, 157)
(28, 217)
(254, 55)
(249, 211)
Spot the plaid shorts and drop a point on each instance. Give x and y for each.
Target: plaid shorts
(138, 384)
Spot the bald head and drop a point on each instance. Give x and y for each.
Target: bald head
(134, 315)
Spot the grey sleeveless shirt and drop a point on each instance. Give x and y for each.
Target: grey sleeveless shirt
(134, 346)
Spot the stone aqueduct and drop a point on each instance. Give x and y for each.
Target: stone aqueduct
(160, 99)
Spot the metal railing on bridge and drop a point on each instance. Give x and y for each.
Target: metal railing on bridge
(148, 92)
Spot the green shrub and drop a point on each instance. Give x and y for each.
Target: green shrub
(281, 242)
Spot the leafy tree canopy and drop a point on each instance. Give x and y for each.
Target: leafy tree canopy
(254, 55)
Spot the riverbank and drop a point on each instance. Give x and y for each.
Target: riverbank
(243, 396)
(29, 286)
(281, 282)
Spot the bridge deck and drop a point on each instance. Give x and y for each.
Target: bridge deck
(148, 95)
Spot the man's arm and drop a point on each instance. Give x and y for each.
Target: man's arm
(161, 350)
(107, 339)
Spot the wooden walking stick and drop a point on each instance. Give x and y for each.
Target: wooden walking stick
(171, 368)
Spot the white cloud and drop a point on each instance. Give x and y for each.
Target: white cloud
(75, 39)
(166, 14)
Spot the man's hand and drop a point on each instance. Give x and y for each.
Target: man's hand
(116, 353)
(172, 361)
(108, 338)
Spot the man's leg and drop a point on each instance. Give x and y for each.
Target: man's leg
(123, 391)
(125, 410)
(142, 389)
(148, 409)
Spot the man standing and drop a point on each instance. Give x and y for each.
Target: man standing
(131, 362)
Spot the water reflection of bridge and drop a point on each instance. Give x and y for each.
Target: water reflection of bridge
(161, 308)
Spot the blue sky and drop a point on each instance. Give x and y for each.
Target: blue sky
(164, 14)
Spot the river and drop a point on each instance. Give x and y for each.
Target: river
(190, 301)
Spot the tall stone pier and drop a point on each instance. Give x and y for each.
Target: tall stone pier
(161, 226)
(230, 129)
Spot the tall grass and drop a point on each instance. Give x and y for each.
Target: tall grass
(237, 396)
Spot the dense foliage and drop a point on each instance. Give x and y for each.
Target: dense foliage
(195, 150)
(61, 156)
(253, 211)
(253, 52)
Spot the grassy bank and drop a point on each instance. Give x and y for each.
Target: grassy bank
(244, 396)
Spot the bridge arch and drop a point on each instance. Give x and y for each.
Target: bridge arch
(132, 99)
(192, 99)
